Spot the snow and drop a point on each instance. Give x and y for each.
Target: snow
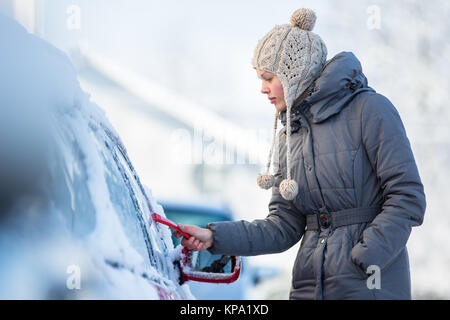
(165, 232)
(39, 81)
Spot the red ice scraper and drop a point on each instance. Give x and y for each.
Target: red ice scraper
(156, 217)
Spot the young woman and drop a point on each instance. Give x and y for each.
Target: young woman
(347, 183)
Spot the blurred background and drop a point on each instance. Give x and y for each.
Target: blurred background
(175, 80)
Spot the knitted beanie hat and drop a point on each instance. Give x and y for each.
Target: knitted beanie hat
(297, 57)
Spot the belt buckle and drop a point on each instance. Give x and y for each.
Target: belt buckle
(325, 220)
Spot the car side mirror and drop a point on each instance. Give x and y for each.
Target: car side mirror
(202, 266)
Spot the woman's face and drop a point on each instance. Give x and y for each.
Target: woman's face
(271, 86)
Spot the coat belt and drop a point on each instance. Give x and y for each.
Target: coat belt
(341, 218)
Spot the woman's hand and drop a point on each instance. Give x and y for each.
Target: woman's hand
(200, 239)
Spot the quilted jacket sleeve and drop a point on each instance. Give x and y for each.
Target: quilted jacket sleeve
(389, 152)
(280, 230)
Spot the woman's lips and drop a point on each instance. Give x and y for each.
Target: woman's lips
(272, 100)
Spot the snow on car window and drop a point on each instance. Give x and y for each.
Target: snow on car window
(122, 201)
(158, 246)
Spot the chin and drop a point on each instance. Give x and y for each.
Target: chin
(280, 108)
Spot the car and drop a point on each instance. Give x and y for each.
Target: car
(76, 222)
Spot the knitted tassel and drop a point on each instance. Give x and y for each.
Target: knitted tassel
(288, 187)
(266, 180)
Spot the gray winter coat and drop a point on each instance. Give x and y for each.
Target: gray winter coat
(360, 194)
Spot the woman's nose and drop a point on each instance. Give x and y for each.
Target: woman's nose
(264, 89)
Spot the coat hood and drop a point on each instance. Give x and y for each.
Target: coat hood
(340, 81)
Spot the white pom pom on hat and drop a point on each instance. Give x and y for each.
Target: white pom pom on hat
(304, 19)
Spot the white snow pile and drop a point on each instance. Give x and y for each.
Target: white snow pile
(37, 81)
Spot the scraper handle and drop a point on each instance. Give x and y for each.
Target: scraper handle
(156, 217)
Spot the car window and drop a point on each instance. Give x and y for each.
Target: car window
(158, 246)
(122, 199)
(70, 194)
